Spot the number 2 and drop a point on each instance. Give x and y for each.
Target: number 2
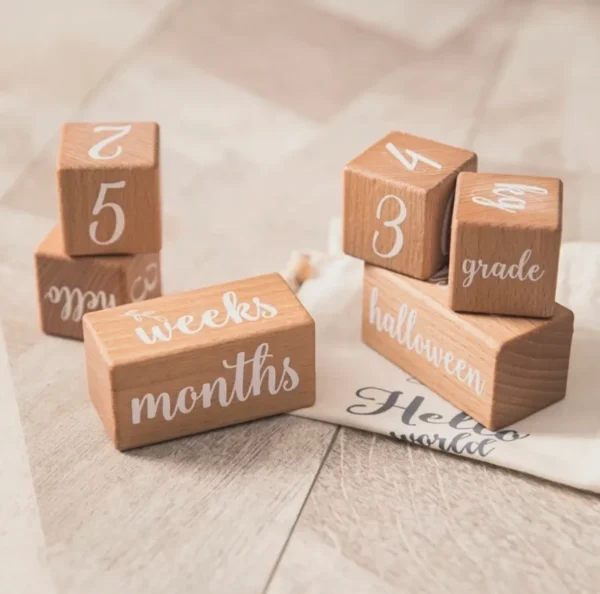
(393, 224)
(119, 214)
(120, 131)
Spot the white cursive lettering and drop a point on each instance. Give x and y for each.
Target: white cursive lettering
(509, 196)
(501, 270)
(235, 312)
(401, 328)
(262, 378)
(77, 302)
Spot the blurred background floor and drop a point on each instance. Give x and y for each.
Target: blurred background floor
(261, 104)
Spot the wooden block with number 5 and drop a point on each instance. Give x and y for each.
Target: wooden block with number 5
(199, 360)
(398, 200)
(70, 287)
(109, 188)
(506, 233)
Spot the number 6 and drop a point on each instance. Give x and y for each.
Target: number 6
(119, 214)
(394, 224)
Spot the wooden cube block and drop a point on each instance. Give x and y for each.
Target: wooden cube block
(496, 369)
(69, 287)
(398, 200)
(109, 188)
(506, 233)
(191, 362)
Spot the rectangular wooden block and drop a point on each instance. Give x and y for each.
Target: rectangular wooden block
(109, 188)
(506, 234)
(70, 287)
(496, 369)
(398, 197)
(199, 360)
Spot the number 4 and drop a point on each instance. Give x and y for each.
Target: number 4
(119, 214)
(416, 157)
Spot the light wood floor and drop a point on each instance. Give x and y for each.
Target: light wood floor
(261, 103)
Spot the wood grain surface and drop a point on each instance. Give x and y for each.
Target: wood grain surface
(498, 369)
(252, 153)
(506, 235)
(68, 288)
(200, 360)
(398, 201)
(108, 178)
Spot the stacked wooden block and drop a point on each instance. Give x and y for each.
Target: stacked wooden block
(489, 338)
(106, 249)
(173, 365)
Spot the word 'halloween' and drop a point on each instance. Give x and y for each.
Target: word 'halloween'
(401, 328)
(149, 406)
(235, 312)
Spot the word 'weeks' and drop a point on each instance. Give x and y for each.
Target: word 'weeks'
(501, 270)
(401, 328)
(262, 378)
(234, 312)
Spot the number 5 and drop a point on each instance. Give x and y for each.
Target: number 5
(119, 214)
(394, 224)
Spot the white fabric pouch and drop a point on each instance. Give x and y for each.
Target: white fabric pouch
(359, 388)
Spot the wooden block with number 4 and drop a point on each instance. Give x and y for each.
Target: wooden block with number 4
(398, 200)
(199, 360)
(506, 233)
(497, 369)
(70, 287)
(109, 188)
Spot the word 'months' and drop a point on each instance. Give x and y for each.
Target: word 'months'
(496, 369)
(397, 203)
(199, 360)
(109, 188)
(506, 233)
(70, 287)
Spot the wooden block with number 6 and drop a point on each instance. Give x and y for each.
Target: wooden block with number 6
(199, 360)
(70, 287)
(109, 188)
(497, 369)
(506, 233)
(398, 200)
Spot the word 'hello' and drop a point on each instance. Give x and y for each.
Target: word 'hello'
(455, 433)
(235, 312)
(77, 302)
(501, 270)
(401, 329)
(149, 406)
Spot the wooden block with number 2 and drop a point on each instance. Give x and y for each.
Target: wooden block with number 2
(397, 203)
(109, 188)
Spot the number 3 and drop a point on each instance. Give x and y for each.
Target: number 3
(120, 131)
(393, 224)
(119, 214)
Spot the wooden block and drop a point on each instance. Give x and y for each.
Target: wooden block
(398, 198)
(69, 287)
(496, 369)
(199, 360)
(109, 188)
(506, 233)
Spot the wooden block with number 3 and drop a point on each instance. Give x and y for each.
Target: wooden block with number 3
(497, 369)
(199, 360)
(506, 234)
(70, 287)
(397, 203)
(109, 188)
